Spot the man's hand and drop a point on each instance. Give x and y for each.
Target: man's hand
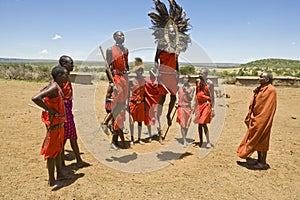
(52, 112)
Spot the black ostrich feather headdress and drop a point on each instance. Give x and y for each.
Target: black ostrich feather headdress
(170, 27)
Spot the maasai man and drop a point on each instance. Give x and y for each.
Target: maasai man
(203, 107)
(170, 29)
(69, 126)
(137, 99)
(184, 110)
(259, 122)
(51, 100)
(117, 58)
(151, 100)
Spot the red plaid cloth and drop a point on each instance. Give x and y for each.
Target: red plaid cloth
(70, 129)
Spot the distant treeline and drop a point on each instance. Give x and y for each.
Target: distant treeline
(40, 70)
(278, 67)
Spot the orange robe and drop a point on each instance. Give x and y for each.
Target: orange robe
(259, 122)
(152, 99)
(137, 101)
(203, 110)
(184, 109)
(54, 140)
(168, 72)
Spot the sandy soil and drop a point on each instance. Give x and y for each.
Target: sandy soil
(23, 173)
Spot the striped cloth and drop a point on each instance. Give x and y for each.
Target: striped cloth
(70, 129)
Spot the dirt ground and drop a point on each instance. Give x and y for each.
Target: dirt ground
(23, 173)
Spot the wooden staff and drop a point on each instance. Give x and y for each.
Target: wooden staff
(110, 76)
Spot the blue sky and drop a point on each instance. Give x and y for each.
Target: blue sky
(236, 31)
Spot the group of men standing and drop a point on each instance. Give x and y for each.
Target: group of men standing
(145, 97)
(57, 101)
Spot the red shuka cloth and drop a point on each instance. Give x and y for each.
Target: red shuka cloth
(137, 101)
(184, 109)
(203, 112)
(120, 58)
(54, 140)
(152, 99)
(67, 90)
(168, 72)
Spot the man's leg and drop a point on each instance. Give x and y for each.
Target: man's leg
(206, 131)
(161, 102)
(50, 167)
(114, 141)
(183, 133)
(63, 157)
(104, 124)
(171, 106)
(75, 148)
(131, 127)
(121, 134)
(200, 131)
(150, 134)
(262, 157)
(140, 132)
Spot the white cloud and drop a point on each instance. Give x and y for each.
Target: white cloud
(44, 52)
(293, 43)
(56, 37)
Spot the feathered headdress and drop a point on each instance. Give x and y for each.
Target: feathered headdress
(170, 27)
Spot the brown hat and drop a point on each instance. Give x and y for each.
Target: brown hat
(138, 64)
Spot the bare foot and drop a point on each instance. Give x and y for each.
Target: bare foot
(251, 161)
(114, 146)
(260, 166)
(104, 128)
(52, 182)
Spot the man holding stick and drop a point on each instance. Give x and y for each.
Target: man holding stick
(117, 66)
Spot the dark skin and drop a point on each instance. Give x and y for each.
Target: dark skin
(119, 41)
(189, 90)
(260, 163)
(162, 98)
(203, 127)
(139, 75)
(69, 66)
(52, 92)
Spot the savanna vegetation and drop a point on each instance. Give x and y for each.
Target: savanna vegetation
(41, 71)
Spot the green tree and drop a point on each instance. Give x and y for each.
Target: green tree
(187, 70)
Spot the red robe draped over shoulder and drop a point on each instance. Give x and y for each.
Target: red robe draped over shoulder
(203, 110)
(54, 140)
(137, 101)
(259, 122)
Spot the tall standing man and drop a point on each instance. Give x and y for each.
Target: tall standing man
(69, 127)
(259, 122)
(137, 99)
(117, 58)
(203, 106)
(51, 100)
(184, 110)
